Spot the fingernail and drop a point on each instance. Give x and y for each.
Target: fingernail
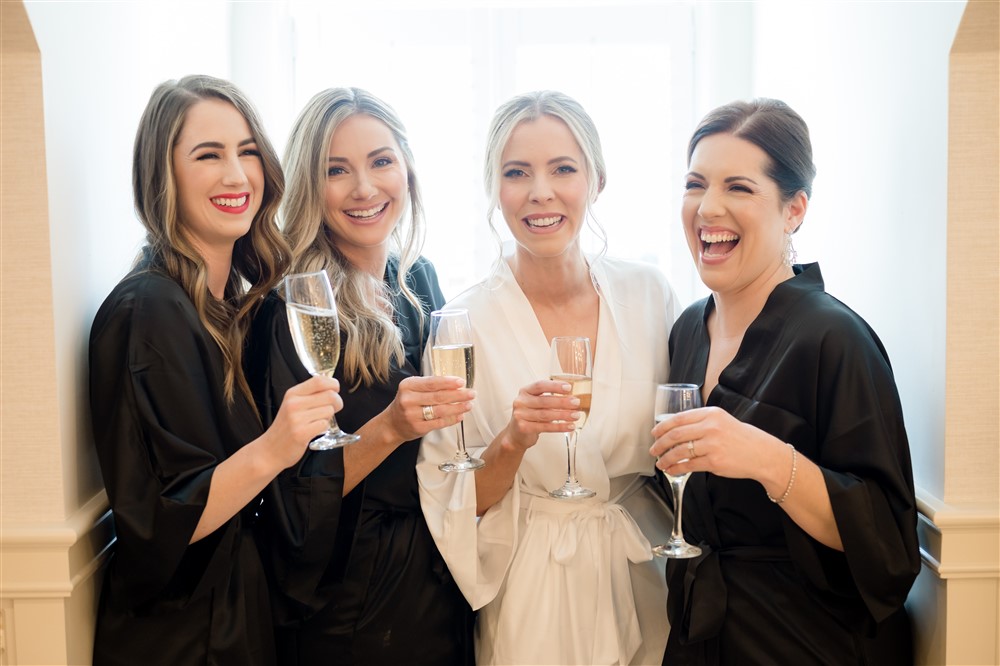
(575, 402)
(566, 388)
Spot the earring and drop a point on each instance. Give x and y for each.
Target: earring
(789, 256)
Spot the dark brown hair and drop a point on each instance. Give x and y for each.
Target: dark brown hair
(775, 128)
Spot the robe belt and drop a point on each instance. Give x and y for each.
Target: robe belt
(625, 544)
(705, 592)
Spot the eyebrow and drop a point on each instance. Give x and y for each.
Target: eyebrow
(218, 146)
(731, 179)
(375, 152)
(554, 160)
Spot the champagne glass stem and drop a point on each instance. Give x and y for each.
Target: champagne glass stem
(571, 459)
(677, 533)
(462, 453)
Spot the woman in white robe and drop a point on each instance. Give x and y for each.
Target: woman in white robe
(556, 581)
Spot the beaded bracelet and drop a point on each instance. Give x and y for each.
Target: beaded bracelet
(791, 481)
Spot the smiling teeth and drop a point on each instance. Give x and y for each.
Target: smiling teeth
(371, 212)
(719, 237)
(230, 203)
(544, 221)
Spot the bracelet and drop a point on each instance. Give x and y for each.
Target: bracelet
(791, 481)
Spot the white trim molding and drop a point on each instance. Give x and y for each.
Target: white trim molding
(955, 603)
(50, 584)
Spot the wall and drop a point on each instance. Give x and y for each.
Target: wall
(69, 234)
(871, 79)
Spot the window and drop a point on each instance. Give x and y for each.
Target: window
(445, 70)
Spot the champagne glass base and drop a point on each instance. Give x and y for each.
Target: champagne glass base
(332, 440)
(462, 464)
(572, 491)
(677, 549)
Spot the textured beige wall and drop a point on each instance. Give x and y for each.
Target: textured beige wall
(30, 456)
(972, 425)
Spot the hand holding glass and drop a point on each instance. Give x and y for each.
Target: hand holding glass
(671, 399)
(570, 363)
(312, 318)
(452, 355)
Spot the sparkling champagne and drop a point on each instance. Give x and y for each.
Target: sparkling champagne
(316, 337)
(671, 477)
(582, 388)
(454, 361)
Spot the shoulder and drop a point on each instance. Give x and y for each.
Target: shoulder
(636, 282)
(149, 298)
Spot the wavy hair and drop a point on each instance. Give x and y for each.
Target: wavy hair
(531, 106)
(372, 340)
(259, 258)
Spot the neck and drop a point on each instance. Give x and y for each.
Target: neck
(218, 262)
(736, 310)
(551, 279)
(371, 260)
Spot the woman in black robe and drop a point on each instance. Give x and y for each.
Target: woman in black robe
(181, 448)
(802, 501)
(356, 576)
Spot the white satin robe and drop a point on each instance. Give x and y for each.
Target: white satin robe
(561, 581)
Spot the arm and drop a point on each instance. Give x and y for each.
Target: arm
(534, 413)
(403, 421)
(730, 448)
(304, 414)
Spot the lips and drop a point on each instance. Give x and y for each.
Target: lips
(718, 243)
(367, 214)
(232, 203)
(543, 221)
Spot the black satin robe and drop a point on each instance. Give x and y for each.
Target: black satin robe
(355, 579)
(161, 424)
(810, 372)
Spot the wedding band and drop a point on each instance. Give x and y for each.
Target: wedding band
(428, 413)
(691, 453)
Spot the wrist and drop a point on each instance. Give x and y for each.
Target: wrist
(783, 479)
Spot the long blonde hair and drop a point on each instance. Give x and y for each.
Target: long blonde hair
(259, 258)
(365, 304)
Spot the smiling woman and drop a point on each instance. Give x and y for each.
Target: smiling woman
(181, 447)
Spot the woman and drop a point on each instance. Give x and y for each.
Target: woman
(181, 448)
(357, 578)
(806, 517)
(556, 581)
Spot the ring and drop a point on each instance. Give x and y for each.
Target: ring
(691, 452)
(428, 413)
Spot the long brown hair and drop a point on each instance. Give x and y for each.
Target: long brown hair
(259, 258)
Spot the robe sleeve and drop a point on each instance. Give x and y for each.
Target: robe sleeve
(156, 408)
(864, 457)
(478, 551)
(305, 525)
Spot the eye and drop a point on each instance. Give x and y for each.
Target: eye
(207, 156)
(251, 152)
(382, 162)
(335, 171)
(741, 188)
(693, 185)
(513, 173)
(565, 169)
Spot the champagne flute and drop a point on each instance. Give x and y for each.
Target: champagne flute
(453, 355)
(570, 363)
(312, 319)
(671, 399)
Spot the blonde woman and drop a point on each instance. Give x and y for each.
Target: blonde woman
(181, 448)
(357, 577)
(556, 581)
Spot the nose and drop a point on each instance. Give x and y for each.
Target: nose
(234, 175)
(541, 190)
(363, 187)
(711, 205)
